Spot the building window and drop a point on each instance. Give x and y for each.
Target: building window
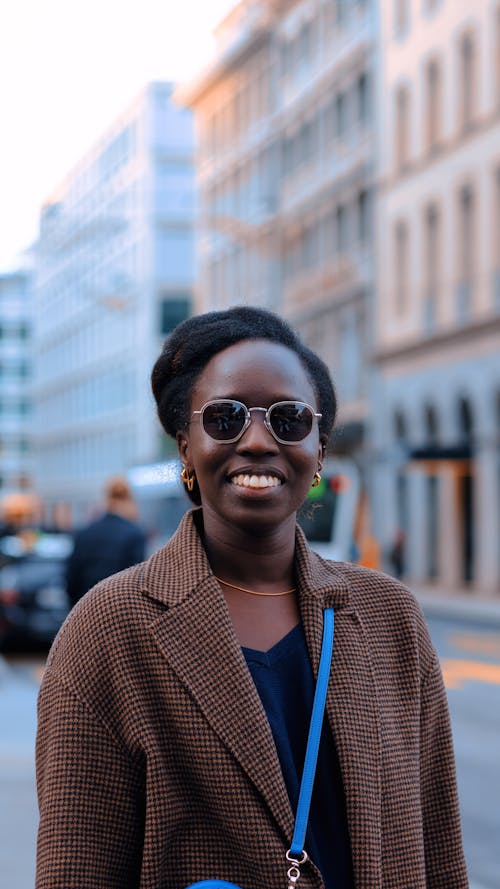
(363, 99)
(329, 234)
(432, 258)
(350, 357)
(401, 17)
(328, 20)
(433, 104)
(363, 217)
(310, 246)
(173, 310)
(342, 229)
(496, 238)
(305, 44)
(330, 118)
(402, 131)
(466, 251)
(430, 6)
(306, 138)
(342, 9)
(497, 54)
(400, 427)
(496, 218)
(401, 266)
(466, 237)
(431, 424)
(341, 115)
(263, 89)
(467, 76)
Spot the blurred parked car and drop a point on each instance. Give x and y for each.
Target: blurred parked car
(33, 600)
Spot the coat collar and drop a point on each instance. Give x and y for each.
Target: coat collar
(196, 636)
(177, 569)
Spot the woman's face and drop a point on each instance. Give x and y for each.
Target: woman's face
(258, 373)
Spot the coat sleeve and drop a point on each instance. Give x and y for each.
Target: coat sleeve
(90, 798)
(445, 864)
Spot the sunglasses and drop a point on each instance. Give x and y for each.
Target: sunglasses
(225, 420)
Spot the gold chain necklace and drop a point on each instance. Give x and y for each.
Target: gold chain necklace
(254, 592)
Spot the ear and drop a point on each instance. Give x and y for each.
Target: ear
(183, 447)
(321, 454)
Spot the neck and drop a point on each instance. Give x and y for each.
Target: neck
(256, 562)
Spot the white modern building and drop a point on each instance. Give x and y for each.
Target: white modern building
(285, 126)
(437, 424)
(115, 272)
(15, 378)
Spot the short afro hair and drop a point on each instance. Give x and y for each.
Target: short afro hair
(193, 343)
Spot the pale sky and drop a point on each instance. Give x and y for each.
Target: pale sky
(67, 69)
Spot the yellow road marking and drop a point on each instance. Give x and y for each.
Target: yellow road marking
(475, 642)
(456, 672)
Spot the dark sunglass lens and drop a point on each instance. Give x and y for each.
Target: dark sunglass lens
(291, 421)
(224, 420)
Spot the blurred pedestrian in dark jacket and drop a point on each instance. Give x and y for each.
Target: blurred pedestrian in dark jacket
(111, 543)
(397, 554)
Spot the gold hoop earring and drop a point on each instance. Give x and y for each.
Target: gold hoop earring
(316, 480)
(188, 479)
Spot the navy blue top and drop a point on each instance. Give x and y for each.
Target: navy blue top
(284, 679)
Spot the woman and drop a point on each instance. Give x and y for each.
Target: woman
(175, 707)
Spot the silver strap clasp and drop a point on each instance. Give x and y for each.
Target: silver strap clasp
(293, 872)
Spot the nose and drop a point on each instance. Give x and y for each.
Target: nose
(257, 438)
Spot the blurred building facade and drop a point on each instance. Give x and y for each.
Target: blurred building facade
(285, 131)
(115, 272)
(15, 378)
(348, 169)
(437, 418)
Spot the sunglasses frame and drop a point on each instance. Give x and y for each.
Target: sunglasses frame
(248, 419)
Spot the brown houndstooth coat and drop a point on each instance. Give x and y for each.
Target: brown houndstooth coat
(156, 763)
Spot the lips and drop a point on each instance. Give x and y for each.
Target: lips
(254, 480)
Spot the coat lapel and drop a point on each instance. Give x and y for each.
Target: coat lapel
(196, 636)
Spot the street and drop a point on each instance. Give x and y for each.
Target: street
(18, 812)
(470, 657)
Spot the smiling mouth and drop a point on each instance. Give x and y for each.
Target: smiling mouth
(255, 481)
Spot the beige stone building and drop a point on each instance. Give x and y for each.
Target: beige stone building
(437, 419)
(284, 123)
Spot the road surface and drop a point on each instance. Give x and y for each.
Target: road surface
(470, 658)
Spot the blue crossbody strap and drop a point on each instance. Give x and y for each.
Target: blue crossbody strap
(296, 855)
(306, 786)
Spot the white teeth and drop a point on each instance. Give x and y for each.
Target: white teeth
(256, 481)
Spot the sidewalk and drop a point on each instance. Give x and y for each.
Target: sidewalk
(464, 606)
(18, 813)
